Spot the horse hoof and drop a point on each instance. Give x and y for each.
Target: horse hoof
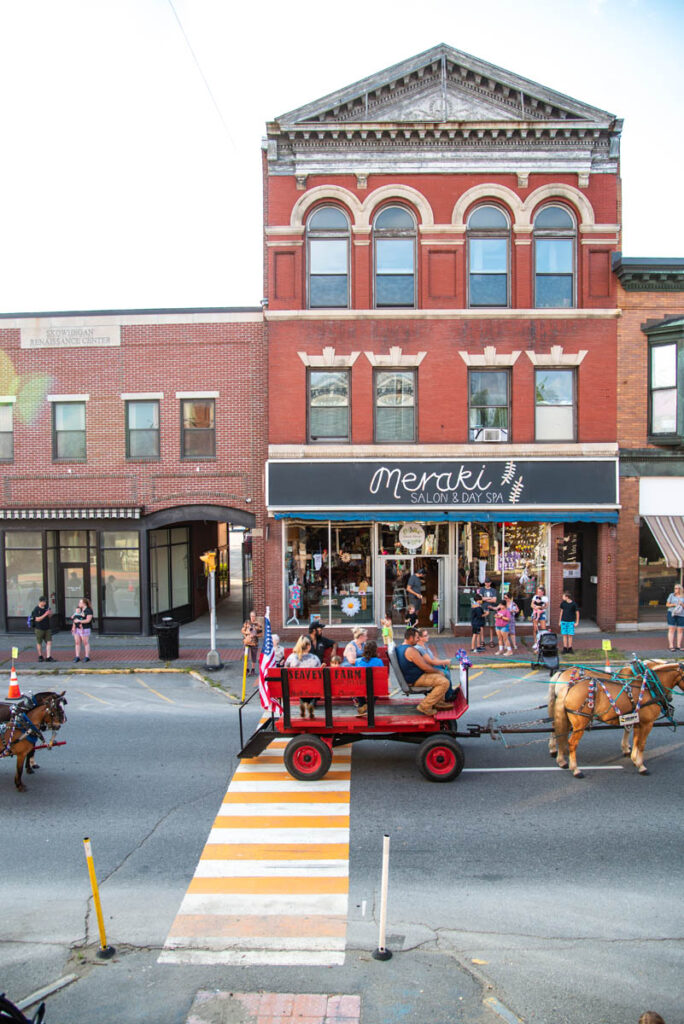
(21, 789)
(552, 753)
(644, 771)
(578, 774)
(626, 753)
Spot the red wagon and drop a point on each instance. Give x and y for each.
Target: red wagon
(391, 715)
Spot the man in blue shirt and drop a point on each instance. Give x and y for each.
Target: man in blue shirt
(417, 671)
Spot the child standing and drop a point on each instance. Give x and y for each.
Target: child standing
(501, 622)
(411, 617)
(569, 620)
(434, 612)
(477, 624)
(387, 631)
(514, 610)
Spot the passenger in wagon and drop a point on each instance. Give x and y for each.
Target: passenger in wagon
(417, 671)
(302, 657)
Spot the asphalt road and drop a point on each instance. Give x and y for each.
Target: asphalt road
(560, 898)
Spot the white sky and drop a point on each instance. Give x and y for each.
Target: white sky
(124, 188)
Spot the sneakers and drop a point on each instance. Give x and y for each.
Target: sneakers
(77, 659)
(41, 658)
(86, 659)
(50, 659)
(506, 653)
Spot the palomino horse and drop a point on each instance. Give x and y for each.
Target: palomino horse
(644, 689)
(19, 736)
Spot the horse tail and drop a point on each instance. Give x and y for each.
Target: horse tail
(561, 722)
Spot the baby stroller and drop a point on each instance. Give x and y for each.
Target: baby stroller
(547, 651)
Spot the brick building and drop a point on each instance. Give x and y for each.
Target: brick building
(651, 434)
(130, 442)
(442, 329)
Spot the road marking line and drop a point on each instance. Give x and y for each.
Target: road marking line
(553, 768)
(502, 1011)
(474, 675)
(156, 692)
(278, 851)
(492, 694)
(93, 697)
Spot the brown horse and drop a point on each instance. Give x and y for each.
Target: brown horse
(26, 702)
(19, 735)
(582, 696)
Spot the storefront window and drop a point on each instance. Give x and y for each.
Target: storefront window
(328, 573)
(121, 574)
(24, 571)
(435, 539)
(169, 566)
(656, 579)
(514, 556)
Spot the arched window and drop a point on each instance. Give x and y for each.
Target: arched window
(394, 253)
(488, 244)
(327, 236)
(554, 258)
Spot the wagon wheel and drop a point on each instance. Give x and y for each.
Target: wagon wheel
(307, 758)
(440, 758)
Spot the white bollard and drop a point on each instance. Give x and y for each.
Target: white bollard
(382, 953)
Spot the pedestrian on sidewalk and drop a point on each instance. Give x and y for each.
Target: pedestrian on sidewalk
(251, 631)
(675, 618)
(40, 620)
(81, 622)
(515, 611)
(569, 621)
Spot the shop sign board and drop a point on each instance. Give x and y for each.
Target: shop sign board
(441, 484)
(412, 536)
(572, 570)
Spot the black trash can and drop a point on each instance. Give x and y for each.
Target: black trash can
(167, 639)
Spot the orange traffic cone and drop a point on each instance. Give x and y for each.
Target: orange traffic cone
(14, 693)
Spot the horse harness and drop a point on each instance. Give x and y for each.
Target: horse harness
(21, 723)
(649, 680)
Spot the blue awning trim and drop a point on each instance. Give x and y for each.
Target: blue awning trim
(511, 516)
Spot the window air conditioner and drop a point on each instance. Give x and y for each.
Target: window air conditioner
(493, 434)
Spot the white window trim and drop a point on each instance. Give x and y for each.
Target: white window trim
(396, 358)
(490, 357)
(142, 396)
(328, 359)
(7, 399)
(68, 398)
(197, 394)
(557, 357)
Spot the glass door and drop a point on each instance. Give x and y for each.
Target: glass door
(75, 585)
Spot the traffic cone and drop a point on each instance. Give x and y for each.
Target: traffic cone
(14, 693)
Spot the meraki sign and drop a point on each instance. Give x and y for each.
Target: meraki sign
(410, 483)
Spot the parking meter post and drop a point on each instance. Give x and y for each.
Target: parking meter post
(382, 953)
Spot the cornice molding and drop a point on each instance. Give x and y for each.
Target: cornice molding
(327, 359)
(490, 357)
(556, 357)
(395, 358)
(304, 315)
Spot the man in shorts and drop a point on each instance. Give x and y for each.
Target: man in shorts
(40, 617)
(569, 620)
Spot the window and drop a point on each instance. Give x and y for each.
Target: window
(6, 431)
(69, 430)
(328, 405)
(142, 429)
(488, 237)
(327, 232)
(663, 379)
(488, 414)
(395, 405)
(198, 430)
(554, 258)
(394, 252)
(554, 413)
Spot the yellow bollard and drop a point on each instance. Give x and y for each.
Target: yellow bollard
(244, 673)
(105, 951)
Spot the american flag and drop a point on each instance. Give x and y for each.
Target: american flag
(266, 662)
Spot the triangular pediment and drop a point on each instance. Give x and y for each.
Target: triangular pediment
(444, 85)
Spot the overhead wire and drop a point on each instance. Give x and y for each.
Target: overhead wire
(202, 75)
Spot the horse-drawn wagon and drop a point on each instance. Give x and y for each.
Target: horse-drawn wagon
(339, 691)
(636, 696)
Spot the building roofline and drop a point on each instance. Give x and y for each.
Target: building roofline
(157, 311)
(649, 273)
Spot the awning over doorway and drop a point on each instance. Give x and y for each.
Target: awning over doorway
(69, 513)
(669, 534)
(432, 515)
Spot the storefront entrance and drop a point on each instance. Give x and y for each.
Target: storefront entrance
(396, 599)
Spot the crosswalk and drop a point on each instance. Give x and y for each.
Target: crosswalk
(272, 884)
